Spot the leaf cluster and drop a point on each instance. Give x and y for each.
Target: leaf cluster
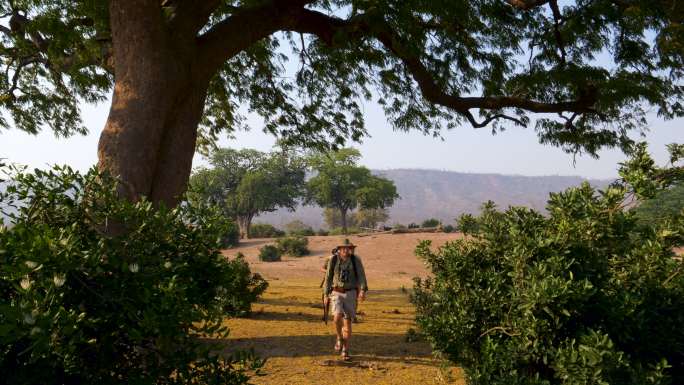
(594, 68)
(585, 295)
(339, 183)
(95, 289)
(244, 183)
(295, 246)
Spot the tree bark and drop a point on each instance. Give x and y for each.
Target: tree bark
(244, 223)
(343, 212)
(148, 141)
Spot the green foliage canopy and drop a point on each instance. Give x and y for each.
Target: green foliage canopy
(432, 64)
(340, 184)
(244, 183)
(82, 301)
(665, 205)
(587, 295)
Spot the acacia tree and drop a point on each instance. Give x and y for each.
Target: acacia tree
(180, 70)
(371, 217)
(245, 183)
(340, 184)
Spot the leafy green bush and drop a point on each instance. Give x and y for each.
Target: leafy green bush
(245, 288)
(269, 253)
(583, 296)
(228, 230)
(448, 229)
(293, 246)
(340, 231)
(264, 230)
(299, 228)
(665, 205)
(94, 289)
(322, 232)
(429, 223)
(468, 223)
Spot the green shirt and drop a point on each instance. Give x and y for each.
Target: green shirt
(342, 275)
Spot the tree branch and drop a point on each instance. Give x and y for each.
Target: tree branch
(190, 16)
(557, 20)
(325, 27)
(526, 5)
(250, 25)
(245, 27)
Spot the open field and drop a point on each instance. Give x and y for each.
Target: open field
(286, 326)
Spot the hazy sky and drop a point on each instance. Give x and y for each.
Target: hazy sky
(465, 149)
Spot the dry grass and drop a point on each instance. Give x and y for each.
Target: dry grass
(286, 326)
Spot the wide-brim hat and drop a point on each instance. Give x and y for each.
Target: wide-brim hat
(348, 244)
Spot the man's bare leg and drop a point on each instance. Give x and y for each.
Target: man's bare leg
(347, 333)
(338, 320)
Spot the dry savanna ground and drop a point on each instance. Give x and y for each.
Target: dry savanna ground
(286, 327)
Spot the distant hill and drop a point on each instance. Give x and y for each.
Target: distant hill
(448, 194)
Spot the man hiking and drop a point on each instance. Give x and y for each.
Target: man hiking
(345, 283)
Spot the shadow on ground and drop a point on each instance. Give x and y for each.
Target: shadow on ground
(381, 347)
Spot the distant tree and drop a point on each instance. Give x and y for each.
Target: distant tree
(333, 218)
(245, 183)
(342, 185)
(264, 230)
(371, 217)
(432, 222)
(298, 227)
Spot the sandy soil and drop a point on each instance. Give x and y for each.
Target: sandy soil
(287, 330)
(389, 259)
(286, 326)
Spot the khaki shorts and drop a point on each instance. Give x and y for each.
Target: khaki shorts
(344, 303)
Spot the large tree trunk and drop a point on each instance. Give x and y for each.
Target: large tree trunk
(343, 213)
(244, 223)
(150, 134)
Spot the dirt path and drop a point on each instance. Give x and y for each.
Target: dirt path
(286, 326)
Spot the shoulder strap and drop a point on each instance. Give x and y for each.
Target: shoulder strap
(353, 260)
(333, 262)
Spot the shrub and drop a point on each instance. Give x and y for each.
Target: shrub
(665, 205)
(298, 228)
(583, 296)
(94, 289)
(429, 223)
(322, 232)
(468, 223)
(227, 230)
(264, 230)
(245, 288)
(269, 253)
(339, 231)
(448, 229)
(413, 226)
(293, 246)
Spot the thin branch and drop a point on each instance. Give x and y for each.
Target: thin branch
(501, 329)
(557, 20)
(256, 23)
(526, 5)
(490, 119)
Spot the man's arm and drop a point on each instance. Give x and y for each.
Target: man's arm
(361, 279)
(327, 284)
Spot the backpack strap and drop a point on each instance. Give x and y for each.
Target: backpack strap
(356, 272)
